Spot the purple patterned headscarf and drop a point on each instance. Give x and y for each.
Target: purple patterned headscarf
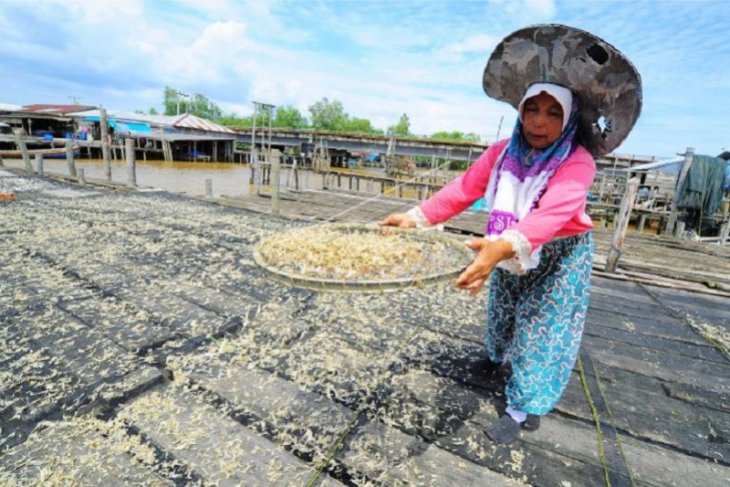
(529, 170)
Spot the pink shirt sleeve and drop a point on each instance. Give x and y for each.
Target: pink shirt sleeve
(562, 206)
(463, 191)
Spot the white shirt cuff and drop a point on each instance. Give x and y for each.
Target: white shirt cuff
(416, 214)
(516, 264)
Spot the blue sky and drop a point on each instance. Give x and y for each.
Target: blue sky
(380, 59)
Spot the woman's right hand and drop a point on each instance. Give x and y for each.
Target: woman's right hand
(401, 220)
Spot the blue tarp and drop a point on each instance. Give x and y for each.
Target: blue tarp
(124, 127)
(137, 127)
(479, 205)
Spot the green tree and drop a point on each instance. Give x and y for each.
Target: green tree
(328, 115)
(455, 136)
(289, 117)
(169, 100)
(202, 107)
(196, 104)
(233, 120)
(402, 128)
(153, 111)
(360, 125)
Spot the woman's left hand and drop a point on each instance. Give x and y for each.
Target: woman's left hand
(489, 254)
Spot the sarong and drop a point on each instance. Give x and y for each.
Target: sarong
(535, 322)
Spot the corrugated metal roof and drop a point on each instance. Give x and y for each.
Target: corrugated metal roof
(186, 120)
(157, 120)
(194, 122)
(57, 109)
(191, 137)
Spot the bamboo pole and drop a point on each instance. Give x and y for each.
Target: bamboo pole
(209, 188)
(82, 177)
(275, 173)
(619, 234)
(105, 154)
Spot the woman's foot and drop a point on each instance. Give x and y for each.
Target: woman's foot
(532, 423)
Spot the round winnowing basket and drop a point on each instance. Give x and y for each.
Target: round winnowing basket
(360, 258)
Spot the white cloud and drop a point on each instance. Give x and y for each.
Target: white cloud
(545, 8)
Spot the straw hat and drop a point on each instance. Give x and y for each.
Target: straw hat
(607, 84)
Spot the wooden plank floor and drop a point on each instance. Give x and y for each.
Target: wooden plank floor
(137, 333)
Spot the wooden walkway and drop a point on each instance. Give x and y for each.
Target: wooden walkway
(139, 344)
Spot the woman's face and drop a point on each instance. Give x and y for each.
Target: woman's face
(542, 120)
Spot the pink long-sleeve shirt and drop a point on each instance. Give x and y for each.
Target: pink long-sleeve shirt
(560, 212)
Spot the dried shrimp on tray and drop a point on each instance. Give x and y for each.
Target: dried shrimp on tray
(358, 257)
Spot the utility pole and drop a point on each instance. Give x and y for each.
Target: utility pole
(256, 174)
(499, 128)
(177, 97)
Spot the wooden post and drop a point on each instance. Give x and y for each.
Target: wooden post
(24, 152)
(725, 227)
(131, 162)
(255, 167)
(1, 161)
(82, 176)
(39, 164)
(682, 176)
(679, 229)
(70, 158)
(209, 188)
(617, 245)
(602, 188)
(724, 231)
(642, 222)
(105, 153)
(295, 171)
(275, 172)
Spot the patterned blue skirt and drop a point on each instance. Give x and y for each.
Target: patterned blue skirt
(535, 322)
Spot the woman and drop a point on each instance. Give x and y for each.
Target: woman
(537, 251)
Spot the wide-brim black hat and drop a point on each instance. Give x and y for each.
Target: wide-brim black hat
(605, 81)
